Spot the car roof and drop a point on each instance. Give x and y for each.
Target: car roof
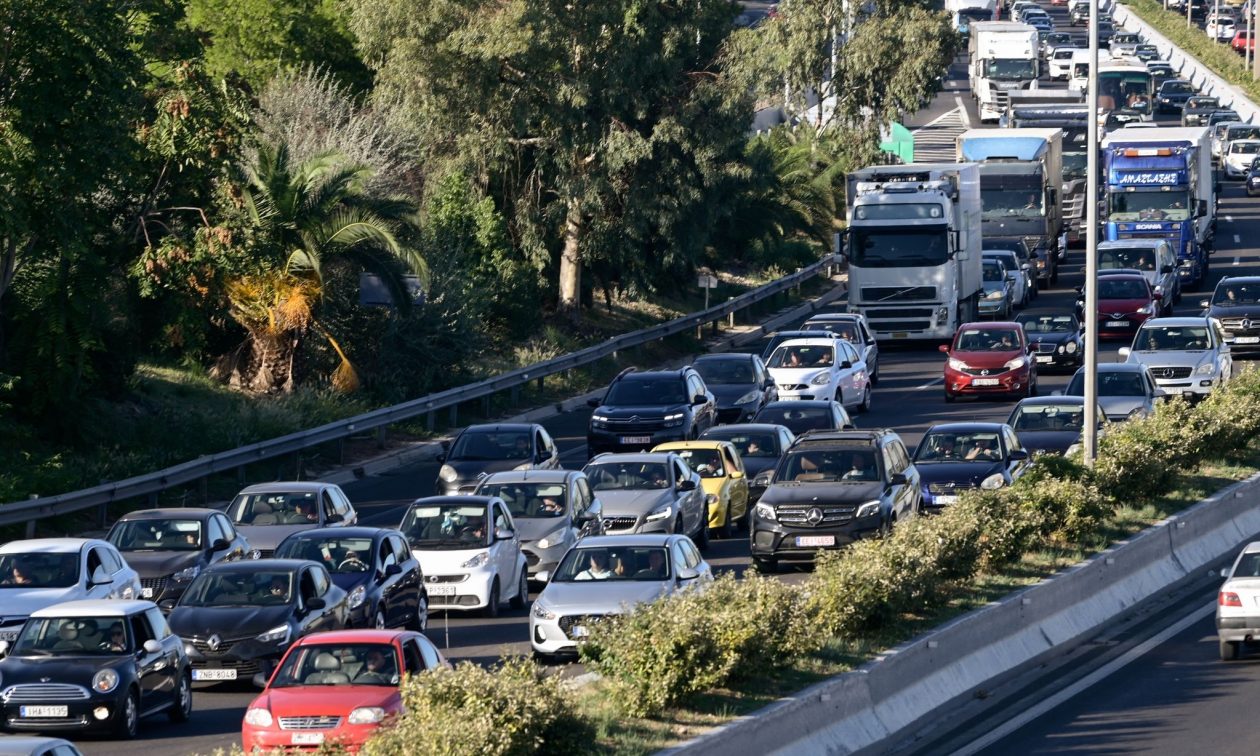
(354, 636)
(808, 342)
(95, 608)
(1136, 276)
(990, 325)
(628, 457)
(47, 545)
(522, 476)
(1118, 367)
(501, 427)
(1046, 400)
(295, 486)
(357, 531)
(1047, 311)
(1239, 279)
(808, 333)
(1119, 272)
(746, 428)
(700, 443)
(1176, 321)
(16, 745)
(806, 403)
(657, 374)
(170, 513)
(472, 500)
(250, 565)
(725, 357)
(633, 539)
(966, 427)
(837, 316)
(1251, 548)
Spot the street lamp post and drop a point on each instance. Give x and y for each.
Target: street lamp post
(1091, 247)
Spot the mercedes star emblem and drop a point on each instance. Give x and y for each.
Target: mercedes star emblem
(213, 642)
(814, 516)
(1245, 324)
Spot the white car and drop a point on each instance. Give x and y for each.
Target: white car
(469, 551)
(821, 369)
(1060, 62)
(38, 573)
(1238, 156)
(1186, 356)
(1025, 287)
(1238, 603)
(1222, 29)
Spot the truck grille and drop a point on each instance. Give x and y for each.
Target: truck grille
(898, 294)
(885, 319)
(40, 692)
(804, 516)
(1167, 373)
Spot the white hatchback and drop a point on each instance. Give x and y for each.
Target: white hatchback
(1239, 155)
(1238, 603)
(821, 369)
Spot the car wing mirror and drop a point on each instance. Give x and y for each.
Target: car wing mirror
(100, 577)
(699, 399)
(1124, 351)
(1224, 574)
(897, 479)
(392, 570)
(542, 576)
(846, 365)
(316, 603)
(1019, 455)
(259, 680)
(594, 403)
(220, 544)
(503, 534)
(687, 485)
(152, 646)
(943, 348)
(334, 517)
(1204, 303)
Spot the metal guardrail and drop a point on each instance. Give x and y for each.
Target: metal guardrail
(32, 510)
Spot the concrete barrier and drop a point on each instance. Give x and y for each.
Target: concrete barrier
(858, 710)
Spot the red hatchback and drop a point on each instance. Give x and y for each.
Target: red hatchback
(1124, 303)
(989, 358)
(336, 687)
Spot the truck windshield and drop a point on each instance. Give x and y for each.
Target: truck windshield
(1074, 165)
(1156, 205)
(1005, 202)
(975, 14)
(1009, 69)
(892, 247)
(1124, 90)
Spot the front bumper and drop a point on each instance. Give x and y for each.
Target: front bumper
(599, 441)
(1240, 348)
(736, 413)
(467, 591)
(79, 715)
(958, 383)
(1234, 171)
(1057, 360)
(1194, 386)
(992, 306)
(558, 635)
(243, 658)
(267, 739)
(621, 524)
(774, 540)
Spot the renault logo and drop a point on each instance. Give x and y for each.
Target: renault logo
(814, 516)
(214, 642)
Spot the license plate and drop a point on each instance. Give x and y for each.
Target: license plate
(984, 381)
(945, 499)
(441, 590)
(146, 593)
(44, 711)
(900, 335)
(636, 439)
(306, 738)
(214, 674)
(824, 540)
(579, 631)
(1247, 340)
(1117, 323)
(1045, 358)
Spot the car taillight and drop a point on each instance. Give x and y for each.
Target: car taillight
(1227, 598)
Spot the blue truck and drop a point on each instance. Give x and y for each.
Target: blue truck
(1160, 185)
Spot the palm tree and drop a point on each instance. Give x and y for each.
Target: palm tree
(308, 216)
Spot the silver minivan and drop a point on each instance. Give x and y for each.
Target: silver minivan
(1154, 258)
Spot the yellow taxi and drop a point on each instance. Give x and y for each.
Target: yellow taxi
(723, 478)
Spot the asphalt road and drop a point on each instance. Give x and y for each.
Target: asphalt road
(1168, 701)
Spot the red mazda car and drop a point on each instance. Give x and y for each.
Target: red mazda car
(1125, 301)
(989, 358)
(336, 687)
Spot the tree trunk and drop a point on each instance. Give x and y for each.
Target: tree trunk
(571, 262)
(271, 360)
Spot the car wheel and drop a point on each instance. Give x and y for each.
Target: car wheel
(492, 606)
(865, 406)
(420, 622)
(522, 592)
(728, 527)
(127, 723)
(1229, 650)
(949, 398)
(182, 709)
(702, 538)
(766, 566)
(875, 374)
(378, 619)
(1054, 277)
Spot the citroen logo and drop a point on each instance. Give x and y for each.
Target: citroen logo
(214, 642)
(634, 418)
(814, 516)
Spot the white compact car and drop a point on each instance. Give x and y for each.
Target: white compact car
(39, 573)
(469, 551)
(821, 369)
(1236, 160)
(1238, 603)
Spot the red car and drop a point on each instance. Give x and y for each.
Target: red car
(989, 358)
(1241, 41)
(336, 687)
(1125, 301)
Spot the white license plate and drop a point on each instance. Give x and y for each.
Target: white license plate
(578, 631)
(636, 439)
(1117, 323)
(900, 335)
(945, 499)
(984, 381)
(44, 711)
(306, 738)
(1247, 340)
(1045, 358)
(214, 674)
(825, 540)
(146, 593)
(441, 590)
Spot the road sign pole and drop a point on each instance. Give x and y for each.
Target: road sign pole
(1091, 247)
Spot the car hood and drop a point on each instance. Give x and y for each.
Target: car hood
(228, 621)
(1251, 312)
(956, 472)
(987, 359)
(72, 670)
(348, 581)
(1122, 306)
(791, 492)
(600, 596)
(655, 410)
(727, 393)
(797, 375)
(633, 503)
(156, 564)
(1057, 441)
(23, 601)
(471, 469)
(1166, 358)
(320, 700)
(533, 528)
(268, 537)
(1051, 338)
(992, 286)
(755, 466)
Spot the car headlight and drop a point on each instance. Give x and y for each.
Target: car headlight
(366, 715)
(258, 717)
(540, 611)
(763, 479)
(661, 512)
(448, 474)
(957, 364)
(554, 538)
(1137, 413)
(674, 419)
(479, 560)
(105, 681)
(993, 481)
(748, 398)
(868, 509)
(995, 294)
(822, 379)
(1070, 347)
(277, 634)
(186, 574)
(1146, 310)
(710, 499)
(357, 595)
(599, 421)
(765, 512)
(1016, 363)
(1206, 368)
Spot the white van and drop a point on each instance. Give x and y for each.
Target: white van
(1079, 79)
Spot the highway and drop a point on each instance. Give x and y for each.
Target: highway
(1168, 700)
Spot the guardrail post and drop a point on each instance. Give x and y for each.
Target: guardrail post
(730, 318)
(454, 415)
(341, 451)
(485, 406)
(540, 382)
(798, 282)
(240, 475)
(516, 395)
(203, 488)
(380, 436)
(428, 421)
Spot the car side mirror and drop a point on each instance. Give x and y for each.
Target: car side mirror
(1124, 351)
(334, 517)
(152, 646)
(735, 475)
(259, 680)
(699, 399)
(392, 569)
(687, 573)
(1010, 277)
(846, 365)
(100, 577)
(4, 648)
(687, 485)
(1019, 455)
(897, 479)
(587, 516)
(316, 603)
(848, 426)
(594, 403)
(221, 544)
(943, 348)
(542, 576)
(1166, 269)
(1161, 393)
(1204, 303)
(1224, 574)
(1158, 296)
(1056, 392)
(503, 534)
(769, 383)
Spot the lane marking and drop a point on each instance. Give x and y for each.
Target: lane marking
(1236, 259)
(1089, 680)
(1229, 219)
(1237, 239)
(939, 118)
(929, 384)
(962, 109)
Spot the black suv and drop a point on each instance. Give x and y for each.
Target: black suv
(832, 488)
(642, 410)
(1236, 304)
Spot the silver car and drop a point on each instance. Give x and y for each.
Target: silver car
(999, 290)
(1125, 391)
(1186, 356)
(610, 575)
(649, 493)
(268, 513)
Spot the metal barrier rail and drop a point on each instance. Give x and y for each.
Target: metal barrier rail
(31, 510)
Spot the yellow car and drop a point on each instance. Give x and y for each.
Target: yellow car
(723, 478)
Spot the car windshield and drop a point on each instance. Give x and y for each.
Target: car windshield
(529, 499)
(1202, 103)
(339, 664)
(1172, 338)
(994, 272)
(748, 444)
(947, 446)
(638, 391)
(649, 563)
(338, 555)
(725, 372)
(1003, 202)
(1109, 384)
(281, 508)
(1037, 323)
(799, 419)
(1244, 148)
(829, 465)
(1122, 288)
(1237, 294)
(1176, 87)
(802, 356)
(491, 446)
(707, 462)
(1138, 258)
(156, 535)
(987, 339)
(1007, 258)
(39, 570)
(845, 329)
(73, 636)
(445, 526)
(627, 476)
(262, 587)
(1049, 417)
